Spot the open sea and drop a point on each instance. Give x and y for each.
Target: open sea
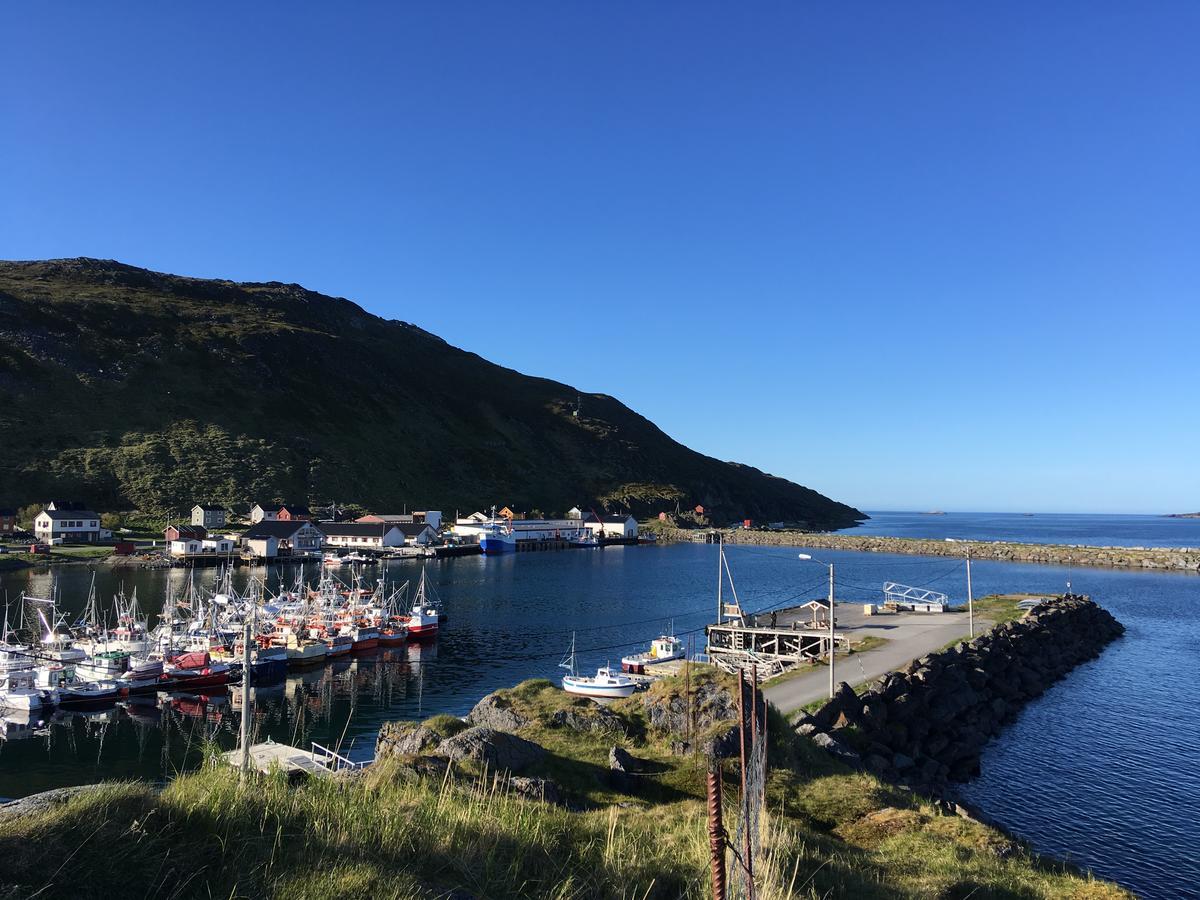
(1101, 769)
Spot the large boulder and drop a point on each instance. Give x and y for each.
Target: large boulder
(494, 711)
(590, 719)
(406, 739)
(496, 749)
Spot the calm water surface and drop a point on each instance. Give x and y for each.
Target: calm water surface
(1039, 528)
(1102, 768)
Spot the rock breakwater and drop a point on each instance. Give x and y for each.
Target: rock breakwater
(926, 726)
(1158, 558)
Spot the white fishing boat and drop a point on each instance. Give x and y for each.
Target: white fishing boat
(422, 619)
(18, 690)
(606, 684)
(662, 649)
(332, 559)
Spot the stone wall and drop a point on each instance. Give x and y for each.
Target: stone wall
(1052, 554)
(926, 726)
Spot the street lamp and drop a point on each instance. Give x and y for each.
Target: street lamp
(832, 654)
(970, 595)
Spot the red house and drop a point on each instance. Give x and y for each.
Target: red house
(8, 521)
(185, 533)
(699, 510)
(294, 513)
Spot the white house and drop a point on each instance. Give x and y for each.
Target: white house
(612, 526)
(419, 534)
(69, 526)
(210, 515)
(283, 538)
(260, 513)
(574, 513)
(363, 535)
(201, 547)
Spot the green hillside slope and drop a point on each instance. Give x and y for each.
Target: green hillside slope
(137, 390)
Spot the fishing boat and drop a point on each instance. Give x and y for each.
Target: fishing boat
(362, 636)
(332, 559)
(18, 690)
(194, 670)
(604, 685)
(105, 665)
(337, 645)
(85, 693)
(662, 649)
(355, 557)
(422, 619)
(585, 540)
(498, 536)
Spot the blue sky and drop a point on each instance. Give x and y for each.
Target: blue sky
(915, 256)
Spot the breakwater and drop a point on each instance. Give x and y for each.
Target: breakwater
(927, 725)
(1160, 558)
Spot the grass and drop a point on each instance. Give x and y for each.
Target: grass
(390, 833)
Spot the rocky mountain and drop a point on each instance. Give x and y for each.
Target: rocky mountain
(132, 389)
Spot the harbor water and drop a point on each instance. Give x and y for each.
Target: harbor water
(1100, 769)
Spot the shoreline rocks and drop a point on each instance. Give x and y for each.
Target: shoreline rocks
(926, 726)
(1154, 558)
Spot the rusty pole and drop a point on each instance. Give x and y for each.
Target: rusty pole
(687, 680)
(747, 864)
(716, 830)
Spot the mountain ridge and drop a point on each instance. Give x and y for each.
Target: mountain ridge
(145, 390)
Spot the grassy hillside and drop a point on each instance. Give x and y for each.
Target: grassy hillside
(391, 833)
(137, 390)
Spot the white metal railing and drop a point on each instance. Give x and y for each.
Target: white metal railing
(332, 760)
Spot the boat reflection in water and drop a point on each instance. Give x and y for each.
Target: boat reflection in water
(158, 735)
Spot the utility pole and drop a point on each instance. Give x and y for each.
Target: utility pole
(832, 645)
(970, 595)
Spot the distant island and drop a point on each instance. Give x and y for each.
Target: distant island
(1195, 515)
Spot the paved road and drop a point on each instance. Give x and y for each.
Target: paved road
(908, 636)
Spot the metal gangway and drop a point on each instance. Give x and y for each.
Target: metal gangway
(902, 596)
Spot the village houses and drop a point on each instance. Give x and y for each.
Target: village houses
(210, 515)
(73, 525)
(270, 539)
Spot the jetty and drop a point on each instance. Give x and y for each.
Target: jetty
(1185, 559)
(292, 761)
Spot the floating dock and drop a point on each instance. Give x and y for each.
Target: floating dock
(290, 760)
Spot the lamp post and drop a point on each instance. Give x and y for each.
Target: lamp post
(832, 645)
(970, 593)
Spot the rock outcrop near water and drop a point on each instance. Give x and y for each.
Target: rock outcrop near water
(1170, 558)
(926, 726)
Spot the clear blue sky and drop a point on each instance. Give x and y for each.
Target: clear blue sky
(914, 255)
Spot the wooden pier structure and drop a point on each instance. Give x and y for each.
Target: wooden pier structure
(734, 646)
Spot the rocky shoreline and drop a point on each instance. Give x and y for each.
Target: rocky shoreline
(1155, 558)
(925, 727)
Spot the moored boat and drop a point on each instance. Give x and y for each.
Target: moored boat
(606, 684)
(662, 649)
(18, 690)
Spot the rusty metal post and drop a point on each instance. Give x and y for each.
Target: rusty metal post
(747, 863)
(716, 830)
(687, 681)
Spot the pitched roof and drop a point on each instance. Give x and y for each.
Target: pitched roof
(356, 529)
(275, 529)
(187, 530)
(57, 514)
(609, 518)
(412, 529)
(210, 507)
(294, 508)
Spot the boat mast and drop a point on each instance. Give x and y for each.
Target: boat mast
(720, 574)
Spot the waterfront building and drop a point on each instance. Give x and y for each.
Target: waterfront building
(210, 515)
(612, 525)
(8, 520)
(432, 517)
(69, 526)
(418, 534)
(363, 535)
(523, 529)
(274, 538)
(184, 533)
(219, 546)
